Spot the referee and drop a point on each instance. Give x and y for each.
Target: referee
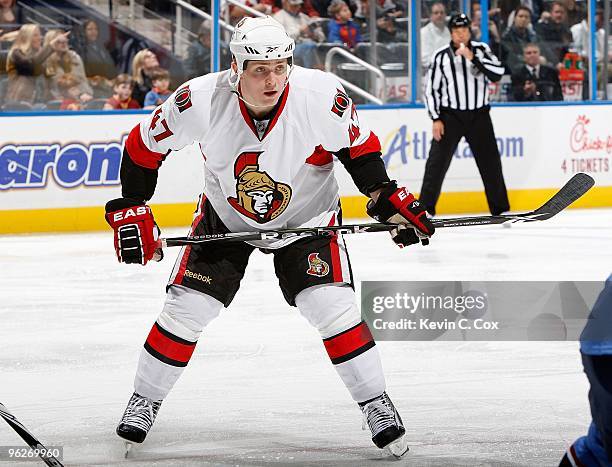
(458, 103)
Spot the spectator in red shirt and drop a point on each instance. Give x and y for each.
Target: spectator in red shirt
(122, 99)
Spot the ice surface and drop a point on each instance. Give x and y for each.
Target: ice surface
(260, 389)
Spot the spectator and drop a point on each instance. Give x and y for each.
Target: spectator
(435, 34)
(11, 18)
(581, 37)
(61, 61)
(302, 29)
(514, 39)
(160, 91)
(362, 15)
(236, 13)
(508, 8)
(197, 62)
(127, 50)
(534, 81)
(70, 89)
(388, 30)
(506, 17)
(143, 64)
(100, 67)
(575, 12)
(341, 27)
(25, 63)
(122, 99)
(494, 37)
(553, 33)
(308, 7)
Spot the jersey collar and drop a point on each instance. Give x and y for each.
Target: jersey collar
(273, 116)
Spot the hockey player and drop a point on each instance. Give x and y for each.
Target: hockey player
(595, 449)
(267, 131)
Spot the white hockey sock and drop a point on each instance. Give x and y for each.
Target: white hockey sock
(333, 310)
(172, 340)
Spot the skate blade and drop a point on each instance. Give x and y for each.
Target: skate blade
(397, 448)
(128, 447)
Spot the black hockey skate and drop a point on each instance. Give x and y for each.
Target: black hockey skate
(137, 419)
(385, 424)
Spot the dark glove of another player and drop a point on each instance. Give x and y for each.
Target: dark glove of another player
(396, 206)
(136, 232)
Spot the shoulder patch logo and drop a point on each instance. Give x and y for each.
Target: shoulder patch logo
(258, 196)
(340, 104)
(182, 99)
(316, 266)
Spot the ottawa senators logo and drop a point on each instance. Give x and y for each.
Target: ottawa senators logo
(258, 197)
(341, 103)
(316, 266)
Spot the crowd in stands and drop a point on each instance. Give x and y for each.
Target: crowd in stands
(75, 70)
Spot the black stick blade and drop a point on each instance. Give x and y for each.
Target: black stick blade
(577, 186)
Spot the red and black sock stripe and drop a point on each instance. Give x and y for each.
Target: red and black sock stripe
(168, 348)
(349, 344)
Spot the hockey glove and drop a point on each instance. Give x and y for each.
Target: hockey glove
(396, 206)
(136, 232)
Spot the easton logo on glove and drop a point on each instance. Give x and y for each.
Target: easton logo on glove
(126, 213)
(397, 206)
(135, 230)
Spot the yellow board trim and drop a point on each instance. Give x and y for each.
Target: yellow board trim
(181, 214)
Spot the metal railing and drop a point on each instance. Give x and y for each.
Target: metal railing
(375, 70)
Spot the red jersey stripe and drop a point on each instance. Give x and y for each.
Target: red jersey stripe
(139, 153)
(320, 157)
(335, 258)
(372, 144)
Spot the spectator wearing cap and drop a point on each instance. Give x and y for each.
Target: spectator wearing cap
(341, 28)
(303, 30)
(434, 34)
(534, 81)
(197, 62)
(457, 100)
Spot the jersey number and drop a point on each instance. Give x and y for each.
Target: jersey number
(164, 134)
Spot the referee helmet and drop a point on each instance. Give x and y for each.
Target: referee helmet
(460, 20)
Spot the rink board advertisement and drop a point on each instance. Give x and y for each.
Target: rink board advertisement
(66, 167)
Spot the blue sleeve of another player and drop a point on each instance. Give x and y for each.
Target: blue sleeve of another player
(596, 338)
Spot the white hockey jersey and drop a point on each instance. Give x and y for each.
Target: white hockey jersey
(278, 177)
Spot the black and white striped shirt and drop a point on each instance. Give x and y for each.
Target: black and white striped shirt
(456, 83)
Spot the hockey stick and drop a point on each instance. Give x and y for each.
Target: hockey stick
(40, 450)
(577, 186)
